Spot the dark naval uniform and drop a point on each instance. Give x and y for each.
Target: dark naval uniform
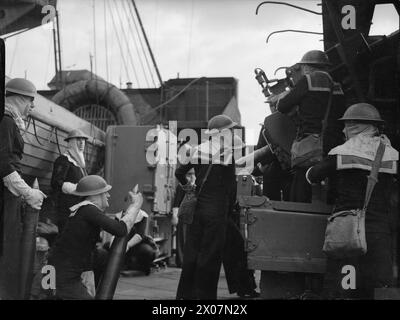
(205, 240)
(11, 150)
(74, 250)
(374, 269)
(311, 96)
(64, 171)
(276, 178)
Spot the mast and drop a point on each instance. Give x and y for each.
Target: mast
(57, 49)
(147, 43)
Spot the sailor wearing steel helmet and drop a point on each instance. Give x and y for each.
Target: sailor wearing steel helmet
(206, 232)
(73, 252)
(68, 169)
(310, 98)
(20, 94)
(350, 164)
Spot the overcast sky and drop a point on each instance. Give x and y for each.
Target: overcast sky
(194, 38)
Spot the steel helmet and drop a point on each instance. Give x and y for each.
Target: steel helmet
(315, 57)
(21, 86)
(362, 112)
(220, 122)
(76, 134)
(91, 185)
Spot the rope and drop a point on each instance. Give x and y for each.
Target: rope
(27, 126)
(141, 43)
(135, 43)
(174, 97)
(118, 40)
(58, 145)
(36, 136)
(127, 44)
(50, 135)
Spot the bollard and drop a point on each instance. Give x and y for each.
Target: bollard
(28, 249)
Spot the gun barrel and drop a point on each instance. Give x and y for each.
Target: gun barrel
(28, 249)
(109, 280)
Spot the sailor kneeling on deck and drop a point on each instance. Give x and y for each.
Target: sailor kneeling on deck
(141, 249)
(74, 252)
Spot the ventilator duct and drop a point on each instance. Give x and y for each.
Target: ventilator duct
(101, 94)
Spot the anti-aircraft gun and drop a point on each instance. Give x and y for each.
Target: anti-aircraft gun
(284, 239)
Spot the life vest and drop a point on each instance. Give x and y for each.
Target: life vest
(319, 81)
(359, 153)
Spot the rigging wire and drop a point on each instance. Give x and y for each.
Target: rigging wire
(190, 38)
(141, 43)
(94, 37)
(13, 56)
(147, 42)
(135, 42)
(119, 43)
(95, 54)
(127, 45)
(48, 59)
(173, 97)
(106, 42)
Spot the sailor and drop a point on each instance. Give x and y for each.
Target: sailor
(73, 252)
(277, 178)
(239, 278)
(351, 163)
(215, 185)
(310, 98)
(68, 169)
(141, 249)
(20, 94)
(179, 222)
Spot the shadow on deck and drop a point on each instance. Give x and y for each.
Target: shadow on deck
(161, 284)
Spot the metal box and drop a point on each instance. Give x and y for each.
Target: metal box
(284, 236)
(126, 165)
